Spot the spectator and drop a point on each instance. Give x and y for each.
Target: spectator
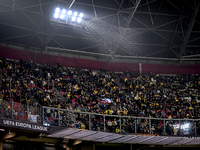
(133, 94)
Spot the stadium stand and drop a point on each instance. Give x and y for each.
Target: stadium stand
(127, 94)
(93, 74)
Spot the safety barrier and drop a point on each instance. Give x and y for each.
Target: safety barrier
(50, 116)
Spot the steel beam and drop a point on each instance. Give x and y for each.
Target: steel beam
(152, 30)
(132, 12)
(23, 8)
(189, 4)
(118, 10)
(29, 20)
(156, 52)
(50, 36)
(14, 37)
(131, 8)
(192, 46)
(10, 10)
(37, 28)
(193, 39)
(56, 43)
(147, 3)
(123, 11)
(197, 55)
(144, 44)
(69, 36)
(187, 35)
(174, 5)
(175, 32)
(26, 15)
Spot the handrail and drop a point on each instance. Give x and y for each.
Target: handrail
(184, 119)
(117, 116)
(43, 117)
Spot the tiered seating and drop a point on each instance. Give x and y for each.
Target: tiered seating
(133, 94)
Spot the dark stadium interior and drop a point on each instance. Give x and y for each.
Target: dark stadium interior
(164, 28)
(126, 77)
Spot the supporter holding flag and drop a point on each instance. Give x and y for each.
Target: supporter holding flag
(105, 101)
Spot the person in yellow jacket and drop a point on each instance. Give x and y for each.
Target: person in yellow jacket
(175, 131)
(117, 100)
(118, 112)
(117, 130)
(82, 126)
(110, 111)
(106, 112)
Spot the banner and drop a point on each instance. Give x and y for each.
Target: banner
(33, 118)
(23, 125)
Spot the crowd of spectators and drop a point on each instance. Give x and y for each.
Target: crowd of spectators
(133, 94)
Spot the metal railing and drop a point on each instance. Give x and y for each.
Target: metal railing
(120, 124)
(50, 116)
(21, 112)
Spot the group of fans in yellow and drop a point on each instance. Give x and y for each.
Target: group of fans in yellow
(101, 92)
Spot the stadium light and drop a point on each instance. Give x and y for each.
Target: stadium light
(69, 12)
(62, 15)
(63, 11)
(79, 20)
(73, 18)
(75, 13)
(57, 10)
(81, 15)
(56, 15)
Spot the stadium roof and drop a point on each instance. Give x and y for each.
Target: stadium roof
(120, 138)
(141, 28)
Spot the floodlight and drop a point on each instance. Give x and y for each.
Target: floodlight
(67, 15)
(56, 15)
(63, 11)
(69, 12)
(57, 10)
(73, 18)
(75, 13)
(81, 15)
(62, 16)
(79, 20)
